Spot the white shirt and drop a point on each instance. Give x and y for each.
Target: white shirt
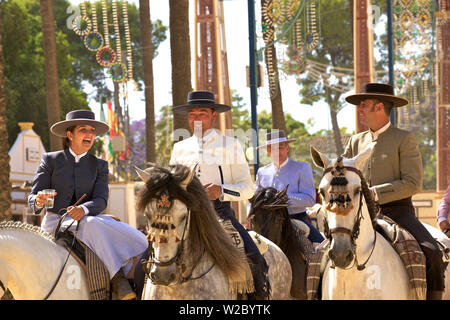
(77, 156)
(216, 154)
(77, 159)
(375, 134)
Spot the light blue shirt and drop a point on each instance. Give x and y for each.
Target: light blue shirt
(298, 175)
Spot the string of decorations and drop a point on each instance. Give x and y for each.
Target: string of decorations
(94, 40)
(412, 40)
(117, 70)
(286, 32)
(82, 25)
(413, 49)
(106, 55)
(269, 52)
(100, 44)
(312, 37)
(128, 40)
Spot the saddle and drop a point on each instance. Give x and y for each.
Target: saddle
(96, 272)
(409, 251)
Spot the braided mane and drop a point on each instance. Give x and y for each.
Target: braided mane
(16, 225)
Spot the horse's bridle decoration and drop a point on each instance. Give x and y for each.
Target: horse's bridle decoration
(340, 204)
(157, 233)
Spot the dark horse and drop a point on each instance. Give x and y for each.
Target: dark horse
(270, 218)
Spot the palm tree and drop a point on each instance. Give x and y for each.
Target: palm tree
(146, 41)
(180, 57)
(5, 191)
(51, 69)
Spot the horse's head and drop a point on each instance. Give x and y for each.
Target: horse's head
(342, 189)
(268, 213)
(166, 203)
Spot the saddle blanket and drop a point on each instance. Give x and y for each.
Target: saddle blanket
(96, 272)
(401, 240)
(247, 285)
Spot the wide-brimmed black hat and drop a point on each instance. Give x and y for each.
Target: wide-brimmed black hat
(76, 118)
(275, 137)
(380, 91)
(200, 99)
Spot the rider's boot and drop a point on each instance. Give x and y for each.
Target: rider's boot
(434, 295)
(121, 287)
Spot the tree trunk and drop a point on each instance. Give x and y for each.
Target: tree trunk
(5, 191)
(147, 46)
(336, 131)
(51, 70)
(333, 102)
(180, 57)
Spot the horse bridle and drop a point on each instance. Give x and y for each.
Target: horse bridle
(354, 233)
(177, 259)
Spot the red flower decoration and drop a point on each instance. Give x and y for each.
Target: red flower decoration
(163, 202)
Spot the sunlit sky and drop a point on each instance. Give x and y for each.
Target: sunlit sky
(236, 32)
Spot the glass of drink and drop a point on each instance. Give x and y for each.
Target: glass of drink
(50, 193)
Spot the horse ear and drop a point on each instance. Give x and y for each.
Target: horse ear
(364, 155)
(145, 176)
(283, 192)
(190, 176)
(319, 159)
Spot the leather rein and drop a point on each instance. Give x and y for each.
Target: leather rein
(71, 246)
(354, 233)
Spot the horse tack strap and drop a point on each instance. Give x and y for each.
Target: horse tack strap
(341, 230)
(358, 172)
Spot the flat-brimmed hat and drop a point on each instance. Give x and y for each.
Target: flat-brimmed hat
(200, 99)
(379, 91)
(275, 137)
(76, 118)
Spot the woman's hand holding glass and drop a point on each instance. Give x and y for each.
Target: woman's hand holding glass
(46, 198)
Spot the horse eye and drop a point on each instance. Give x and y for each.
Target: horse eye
(357, 190)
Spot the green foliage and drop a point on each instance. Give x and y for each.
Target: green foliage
(241, 116)
(77, 67)
(424, 127)
(25, 81)
(164, 141)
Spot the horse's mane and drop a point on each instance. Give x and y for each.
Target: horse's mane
(205, 232)
(273, 205)
(17, 225)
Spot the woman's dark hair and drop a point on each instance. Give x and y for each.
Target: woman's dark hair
(66, 142)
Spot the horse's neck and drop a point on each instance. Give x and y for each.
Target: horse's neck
(198, 267)
(366, 236)
(24, 257)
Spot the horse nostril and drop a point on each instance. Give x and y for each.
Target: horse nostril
(331, 254)
(349, 256)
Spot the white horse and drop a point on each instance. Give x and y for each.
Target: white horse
(30, 262)
(193, 257)
(365, 265)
